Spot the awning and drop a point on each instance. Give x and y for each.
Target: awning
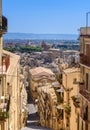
(60, 107)
(60, 90)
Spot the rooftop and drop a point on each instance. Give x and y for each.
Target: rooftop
(11, 54)
(14, 59)
(54, 49)
(71, 51)
(71, 70)
(39, 70)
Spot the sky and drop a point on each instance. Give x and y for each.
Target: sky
(46, 16)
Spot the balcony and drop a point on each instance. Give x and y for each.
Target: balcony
(67, 109)
(3, 26)
(84, 59)
(4, 108)
(5, 64)
(76, 101)
(5, 104)
(60, 112)
(85, 93)
(4, 115)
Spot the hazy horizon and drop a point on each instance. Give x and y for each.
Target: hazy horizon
(34, 36)
(43, 33)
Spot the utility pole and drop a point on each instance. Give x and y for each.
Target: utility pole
(87, 18)
(87, 22)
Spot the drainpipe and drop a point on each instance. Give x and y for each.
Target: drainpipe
(0, 52)
(0, 35)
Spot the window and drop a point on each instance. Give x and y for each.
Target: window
(74, 80)
(0, 80)
(0, 86)
(83, 70)
(82, 125)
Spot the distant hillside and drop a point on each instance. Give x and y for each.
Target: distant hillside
(40, 36)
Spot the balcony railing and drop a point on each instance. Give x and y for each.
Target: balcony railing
(85, 93)
(5, 64)
(3, 26)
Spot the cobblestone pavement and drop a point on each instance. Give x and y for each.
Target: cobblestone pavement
(33, 117)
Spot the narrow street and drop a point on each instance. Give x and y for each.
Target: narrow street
(33, 117)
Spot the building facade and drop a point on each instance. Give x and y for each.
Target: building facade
(39, 77)
(84, 90)
(47, 102)
(71, 104)
(23, 102)
(10, 83)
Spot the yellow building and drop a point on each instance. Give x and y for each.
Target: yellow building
(10, 85)
(70, 84)
(23, 101)
(85, 78)
(12, 92)
(50, 106)
(9, 90)
(47, 102)
(4, 64)
(40, 76)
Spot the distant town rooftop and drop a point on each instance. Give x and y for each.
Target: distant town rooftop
(54, 49)
(69, 51)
